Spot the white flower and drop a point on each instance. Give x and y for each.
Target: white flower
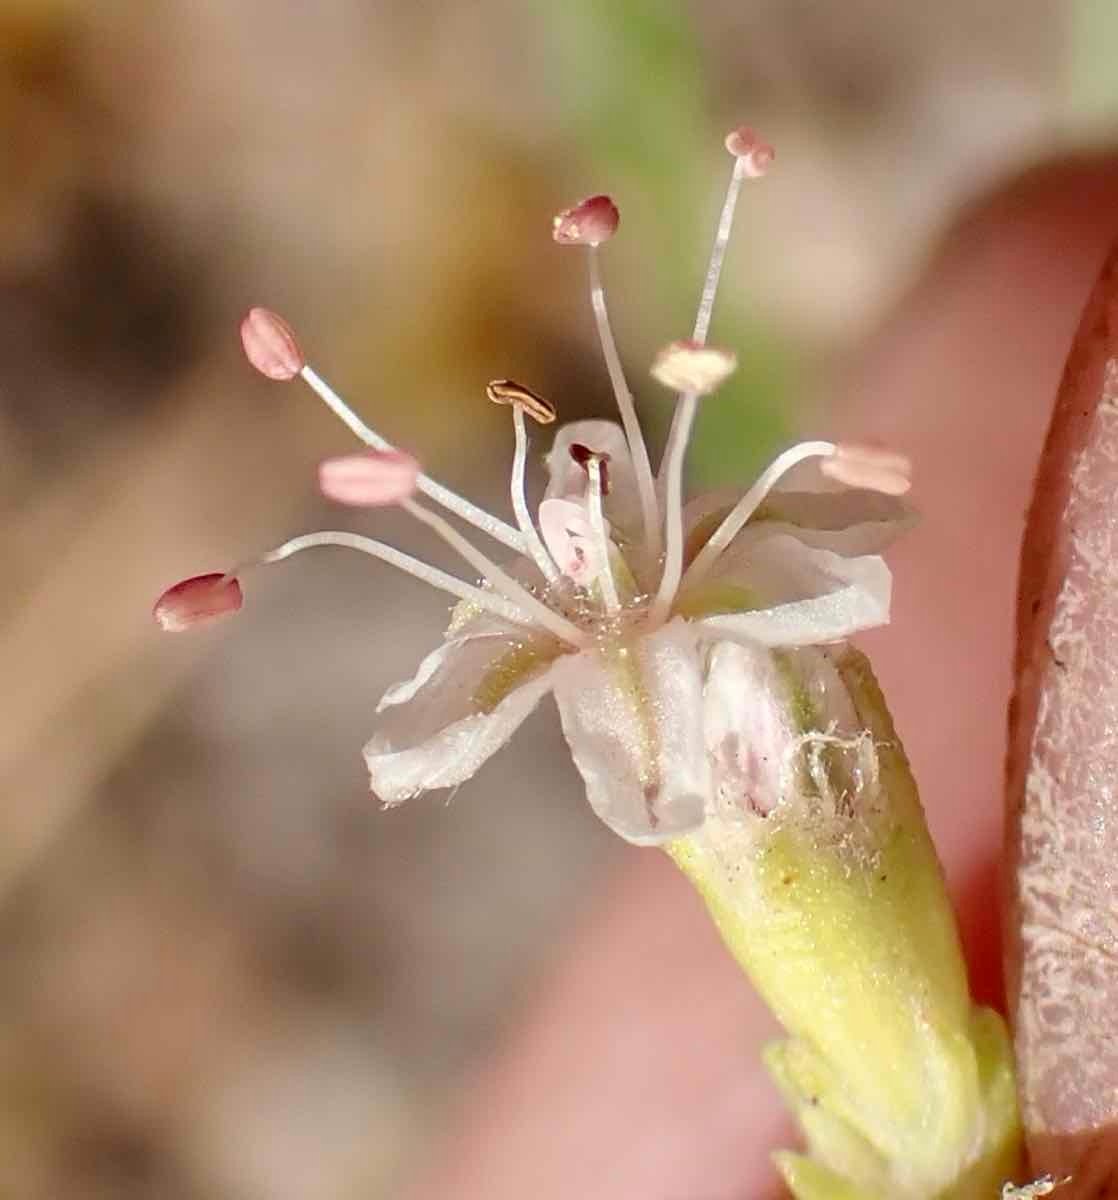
(631, 678)
(624, 604)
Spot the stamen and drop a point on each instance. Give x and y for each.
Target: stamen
(445, 582)
(672, 470)
(870, 467)
(536, 548)
(741, 172)
(478, 517)
(680, 435)
(504, 391)
(598, 524)
(271, 347)
(750, 502)
(516, 395)
(687, 366)
(744, 143)
(638, 450)
(496, 578)
(368, 479)
(197, 601)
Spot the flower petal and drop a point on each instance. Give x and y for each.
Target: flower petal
(749, 727)
(850, 522)
(466, 700)
(569, 480)
(632, 714)
(758, 705)
(772, 589)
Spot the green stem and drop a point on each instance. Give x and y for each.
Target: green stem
(834, 905)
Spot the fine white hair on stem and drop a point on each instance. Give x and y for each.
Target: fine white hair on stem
(684, 418)
(598, 524)
(497, 529)
(638, 450)
(736, 518)
(814, 742)
(532, 542)
(484, 599)
(497, 579)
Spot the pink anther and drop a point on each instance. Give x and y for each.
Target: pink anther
(197, 601)
(589, 223)
(869, 467)
(756, 154)
(369, 479)
(270, 345)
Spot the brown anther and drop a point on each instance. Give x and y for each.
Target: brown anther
(508, 391)
(584, 456)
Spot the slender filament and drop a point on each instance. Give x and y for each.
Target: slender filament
(495, 577)
(638, 451)
(598, 524)
(532, 542)
(496, 528)
(749, 503)
(680, 435)
(718, 251)
(484, 599)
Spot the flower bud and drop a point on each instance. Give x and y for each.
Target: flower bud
(591, 222)
(270, 345)
(369, 479)
(687, 366)
(197, 601)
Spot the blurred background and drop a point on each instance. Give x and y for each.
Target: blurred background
(226, 973)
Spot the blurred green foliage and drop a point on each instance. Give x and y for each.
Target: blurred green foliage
(633, 81)
(1092, 82)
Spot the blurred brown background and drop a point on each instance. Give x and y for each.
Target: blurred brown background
(226, 973)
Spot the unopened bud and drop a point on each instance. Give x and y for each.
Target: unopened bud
(589, 223)
(369, 479)
(270, 345)
(687, 366)
(508, 391)
(756, 155)
(869, 467)
(197, 601)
